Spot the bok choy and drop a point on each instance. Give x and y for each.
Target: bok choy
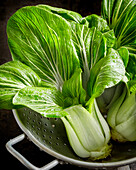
(122, 116)
(62, 66)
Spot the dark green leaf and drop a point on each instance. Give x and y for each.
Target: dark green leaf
(131, 47)
(114, 10)
(131, 68)
(14, 76)
(126, 29)
(120, 15)
(46, 101)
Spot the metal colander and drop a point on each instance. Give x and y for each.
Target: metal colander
(50, 136)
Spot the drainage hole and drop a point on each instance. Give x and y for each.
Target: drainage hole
(51, 131)
(40, 123)
(38, 128)
(57, 143)
(53, 126)
(50, 137)
(57, 138)
(46, 124)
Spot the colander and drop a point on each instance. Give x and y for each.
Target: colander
(50, 136)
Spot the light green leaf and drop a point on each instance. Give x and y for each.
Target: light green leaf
(132, 86)
(46, 101)
(73, 89)
(74, 140)
(14, 76)
(110, 37)
(108, 72)
(127, 109)
(86, 127)
(102, 26)
(98, 22)
(123, 52)
(42, 40)
(88, 133)
(122, 116)
(128, 128)
(90, 46)
(114, 108)
(67, 14)
(6, 96)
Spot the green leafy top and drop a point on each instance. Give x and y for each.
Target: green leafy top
(70, 59)
(121, 17)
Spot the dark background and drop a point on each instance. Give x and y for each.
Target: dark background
(8, 126)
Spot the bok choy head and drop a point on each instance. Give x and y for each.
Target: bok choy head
(68, 61)
(122, 115)
(88, 133)
(87, 130)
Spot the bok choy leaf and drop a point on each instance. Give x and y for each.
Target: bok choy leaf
(46, 101)
(101, 25)
(120, 16)
(67, 14)
(73, 91)
(43, 42)
(131, 67)
(98, 22)
(14, 76)
(90, 46)
(108, 72)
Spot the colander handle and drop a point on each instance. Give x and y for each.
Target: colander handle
(22, 159)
